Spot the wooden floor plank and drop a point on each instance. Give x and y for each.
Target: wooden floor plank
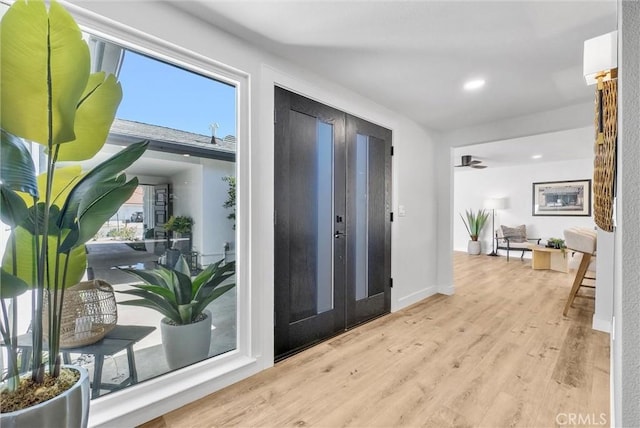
(496, 353)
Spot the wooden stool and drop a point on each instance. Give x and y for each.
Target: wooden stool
(583, 241)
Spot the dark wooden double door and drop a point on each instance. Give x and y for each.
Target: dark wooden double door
(332, 222)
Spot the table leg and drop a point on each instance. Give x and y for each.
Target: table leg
(97, 375)
(133, 372)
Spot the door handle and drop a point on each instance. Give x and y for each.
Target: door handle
(338, 234)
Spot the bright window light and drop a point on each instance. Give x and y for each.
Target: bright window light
(472, 85)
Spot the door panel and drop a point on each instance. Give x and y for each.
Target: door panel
(332, 231)
(309, 284)
(162, 210)
(368, 265)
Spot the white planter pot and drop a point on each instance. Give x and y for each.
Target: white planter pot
(69, 409)
(186, 344)
(473, 248)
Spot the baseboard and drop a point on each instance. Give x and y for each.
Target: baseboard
(448, 289)
(414, 297)
(601, 324)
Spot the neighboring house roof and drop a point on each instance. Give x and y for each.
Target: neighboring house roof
(161, 134)
(137, 198)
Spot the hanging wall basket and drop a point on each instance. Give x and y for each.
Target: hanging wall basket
(604, 171)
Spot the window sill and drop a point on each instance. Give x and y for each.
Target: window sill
(155, 397)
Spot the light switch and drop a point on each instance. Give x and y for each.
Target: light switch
(402, 211)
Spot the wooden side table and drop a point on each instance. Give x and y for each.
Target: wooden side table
(549, 258)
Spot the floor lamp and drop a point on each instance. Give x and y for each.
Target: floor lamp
(494, 204)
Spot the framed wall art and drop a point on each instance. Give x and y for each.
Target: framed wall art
(562, 198)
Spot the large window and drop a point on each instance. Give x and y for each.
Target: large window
(188, 174)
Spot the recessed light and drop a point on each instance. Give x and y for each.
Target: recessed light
(472, 85)
(536, 156)
(186, 155)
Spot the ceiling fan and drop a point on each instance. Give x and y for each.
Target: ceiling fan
(466, 161)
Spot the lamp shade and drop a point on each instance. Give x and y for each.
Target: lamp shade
(495, 203)
(600, 55)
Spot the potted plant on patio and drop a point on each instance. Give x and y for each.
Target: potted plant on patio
(186, 328)
(474, 223)
(181, 227)
(48, 96)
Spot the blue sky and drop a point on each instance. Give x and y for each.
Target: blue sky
(161, 94)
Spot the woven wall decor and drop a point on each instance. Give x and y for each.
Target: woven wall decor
(88, 313)
(604, 166)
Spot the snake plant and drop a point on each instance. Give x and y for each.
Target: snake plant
(475, 222)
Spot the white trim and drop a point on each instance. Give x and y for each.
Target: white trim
(447, 289)
(414, 297)
(601, 324)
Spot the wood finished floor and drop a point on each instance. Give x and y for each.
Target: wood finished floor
(498, 353)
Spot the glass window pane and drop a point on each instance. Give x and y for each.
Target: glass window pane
(324, 206)
(361, 236)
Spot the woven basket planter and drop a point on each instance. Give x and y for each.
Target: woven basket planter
(88, 313)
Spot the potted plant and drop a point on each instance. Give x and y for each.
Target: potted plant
(179, 224)
(180, 227)
(48, 96)
(556, 243)
(186, 328)
(474, 223)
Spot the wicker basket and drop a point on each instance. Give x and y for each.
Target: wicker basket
(88, 313)
(604, 166)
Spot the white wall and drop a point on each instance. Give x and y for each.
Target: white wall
(414, 233)
(217, 229)
(186, 200)
(625, 349)
(473, 186)
(199, 192)
(414, 253)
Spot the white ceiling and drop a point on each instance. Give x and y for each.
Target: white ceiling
(553, 147)
(414, 56)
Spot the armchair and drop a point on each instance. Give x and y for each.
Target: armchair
(514, 238)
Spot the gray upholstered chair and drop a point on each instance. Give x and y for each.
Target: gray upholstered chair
(584, 241)
(514, 238)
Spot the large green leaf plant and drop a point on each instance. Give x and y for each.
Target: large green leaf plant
(48, 96)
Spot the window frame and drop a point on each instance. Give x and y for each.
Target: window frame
(138, 403)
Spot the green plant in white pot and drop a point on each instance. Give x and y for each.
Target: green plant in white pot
(186, 328)
(48, 96)
(474, 223)
(181, 228)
